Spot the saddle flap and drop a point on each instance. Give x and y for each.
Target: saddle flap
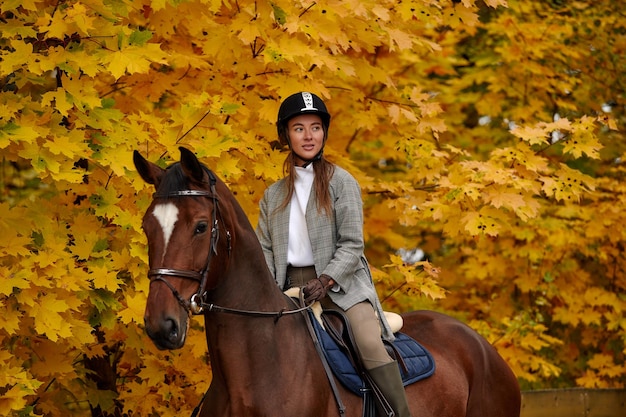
(395, 354)
(338, 328)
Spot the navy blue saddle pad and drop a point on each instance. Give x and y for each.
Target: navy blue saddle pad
(419, 362)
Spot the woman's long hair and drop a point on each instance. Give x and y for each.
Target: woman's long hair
(323, 170)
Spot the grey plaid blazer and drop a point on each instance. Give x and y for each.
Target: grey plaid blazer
(337, 241)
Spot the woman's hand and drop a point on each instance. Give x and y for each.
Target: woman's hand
(317, 288)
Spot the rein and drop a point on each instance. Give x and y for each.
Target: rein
(252, 313)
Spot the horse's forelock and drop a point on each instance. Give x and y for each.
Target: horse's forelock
(174, 179)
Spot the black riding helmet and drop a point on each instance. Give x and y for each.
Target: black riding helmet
(297, 104)
(300, 103)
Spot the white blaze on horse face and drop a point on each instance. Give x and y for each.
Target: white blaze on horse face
(167, 215)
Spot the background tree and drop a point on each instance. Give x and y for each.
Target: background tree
(535, 95)
(445, 111)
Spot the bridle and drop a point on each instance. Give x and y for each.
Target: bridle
(197, 304)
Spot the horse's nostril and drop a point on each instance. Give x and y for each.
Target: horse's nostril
(166, 334)
(170, 330)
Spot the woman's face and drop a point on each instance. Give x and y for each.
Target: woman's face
(306, 135)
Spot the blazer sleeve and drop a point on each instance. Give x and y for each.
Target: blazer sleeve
(348, 213)
(264, 234)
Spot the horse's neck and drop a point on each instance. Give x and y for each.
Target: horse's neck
(254, 356)
(248, 272)
(239, 344)
(248, 285)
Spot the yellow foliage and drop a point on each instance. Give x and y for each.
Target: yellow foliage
(413, 276)
(15, 398)
(134, 308)
(509, 176)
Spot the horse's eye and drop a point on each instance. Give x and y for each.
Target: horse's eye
(201, 228)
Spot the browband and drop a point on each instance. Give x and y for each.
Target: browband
(186, 193)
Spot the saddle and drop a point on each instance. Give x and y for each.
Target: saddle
(335, 335)
(338, 328)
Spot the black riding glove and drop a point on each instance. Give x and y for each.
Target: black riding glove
(316, 289)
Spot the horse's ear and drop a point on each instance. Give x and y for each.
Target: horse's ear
(150, 172)
(190, 164)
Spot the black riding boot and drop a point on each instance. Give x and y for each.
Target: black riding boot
(387, 378)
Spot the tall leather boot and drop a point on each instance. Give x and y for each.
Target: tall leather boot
(387, 378)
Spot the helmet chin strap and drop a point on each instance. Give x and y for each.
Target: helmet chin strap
(308, 162)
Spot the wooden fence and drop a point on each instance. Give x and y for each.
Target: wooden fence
(574, 402)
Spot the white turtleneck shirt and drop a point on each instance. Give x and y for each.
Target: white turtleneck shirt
(299, 251)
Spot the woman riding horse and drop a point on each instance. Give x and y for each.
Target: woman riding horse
(205, 258)
(311, 231)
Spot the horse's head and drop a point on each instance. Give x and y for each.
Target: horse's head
(188, 244)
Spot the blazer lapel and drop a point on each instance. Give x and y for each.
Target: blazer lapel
(316, 224)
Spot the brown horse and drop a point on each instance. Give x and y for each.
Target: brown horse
(205, 258)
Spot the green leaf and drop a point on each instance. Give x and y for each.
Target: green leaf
(279, 14)
(140, 37)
